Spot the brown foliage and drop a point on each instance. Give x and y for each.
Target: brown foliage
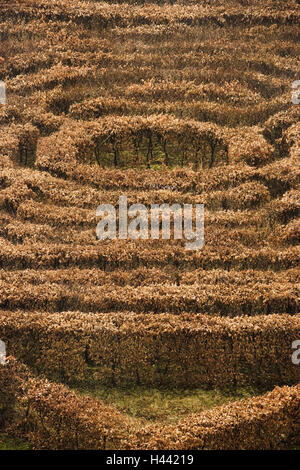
(155, 349)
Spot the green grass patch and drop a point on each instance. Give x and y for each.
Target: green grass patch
(164, 405)
(12, 443)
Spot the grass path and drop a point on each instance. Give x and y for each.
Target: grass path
(12, 443)
(165, 405)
